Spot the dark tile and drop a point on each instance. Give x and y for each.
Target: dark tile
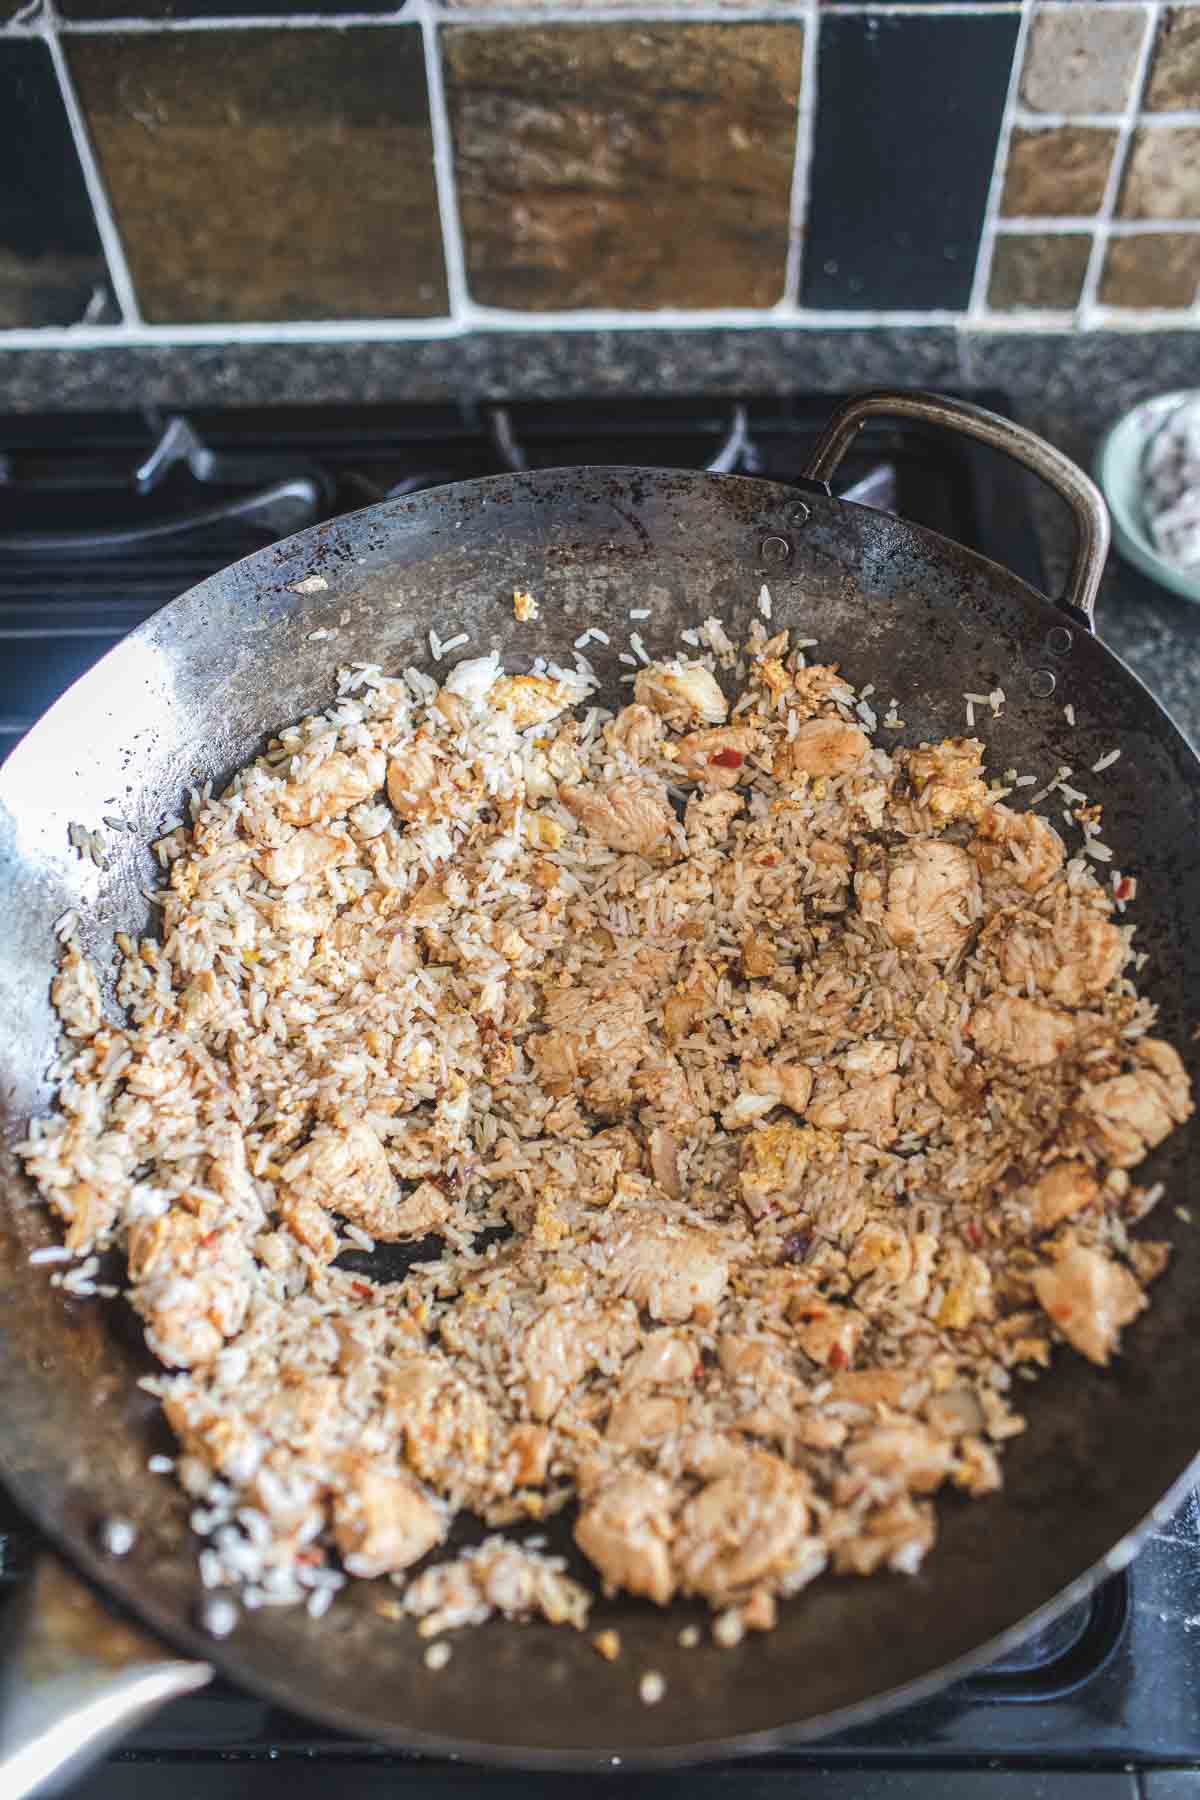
(268, 174)
(624, 165)
(1059, 171)
(1038, 270)
(895, 211)
(52, 269)
(1082, 58)
(1162, 177)
(1156, 268)
(1174, 84)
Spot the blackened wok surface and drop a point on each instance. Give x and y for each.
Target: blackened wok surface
(194, 692)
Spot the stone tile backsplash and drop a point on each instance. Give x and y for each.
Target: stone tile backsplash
(200, 167)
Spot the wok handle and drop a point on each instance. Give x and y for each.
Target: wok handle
(75, 1679)
(1056, 470)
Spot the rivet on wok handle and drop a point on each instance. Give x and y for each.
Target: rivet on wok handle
(774, 551)
(1058, 471)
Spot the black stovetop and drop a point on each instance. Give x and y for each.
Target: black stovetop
(105, 517)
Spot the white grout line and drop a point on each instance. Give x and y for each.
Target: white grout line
(417, 332)
(1088, 300)
(1039, 121)
(806, 130)
(1031, 225)
(134, 27)
(106, 225)
(681, 12)
(444, 167)
(991, 212)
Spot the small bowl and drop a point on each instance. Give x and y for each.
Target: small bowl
(1119, 471)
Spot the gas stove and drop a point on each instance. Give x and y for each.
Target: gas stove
(104, 518)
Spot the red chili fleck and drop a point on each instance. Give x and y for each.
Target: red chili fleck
(972, 1233)
(207, 1242)
(363, 1289)
(727, 759)
(1124, 888)
(837, 1358)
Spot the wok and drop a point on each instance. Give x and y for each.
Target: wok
(189, 697)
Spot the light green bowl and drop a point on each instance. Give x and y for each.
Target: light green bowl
(1119, 472)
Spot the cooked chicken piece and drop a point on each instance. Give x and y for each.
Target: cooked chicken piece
(345, 1168)
(1020, 847)
(911, 1454)
(675, 1274)
(745, 1526)
(527, 1455)
(547, 762)
(1021, 1031)
(663, 1357)
(870, 1107)
(450, 1434)
(383, 1522)
(664, 1161)
(566, 1341)
(683, 693)
(876, 1387)
(665, 1099)
(925, 899)
(637, 731)
(708, 817)
(1059, 1193)
(530, 699)
(818, 686)
(947, 778)
(417, 780)
(304, 856)
(311, 1226)
(821, 747)
(1129, 1114)
(598, 1040)
(896, 1536)
(191, 1284)
(758, 956)
(716, 758)
(828, 1334)
(868, 1058)
(1090, 1298)
(329, 790)
(307, 918)
(967, 1283)
(633, 816)
(639, 1420)
(626, 1528)
(1070, 957)
(89, 1213)
(497, 1577)
(785, 1084)
(418, 1214)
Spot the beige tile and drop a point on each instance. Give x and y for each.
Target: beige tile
(1174, 83)
(1162, 177)
(1060, 171)
(1038, 271)
(1081, 59)
(622, 165)
(1153, 269)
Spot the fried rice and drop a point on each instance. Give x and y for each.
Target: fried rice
(763, 1102)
